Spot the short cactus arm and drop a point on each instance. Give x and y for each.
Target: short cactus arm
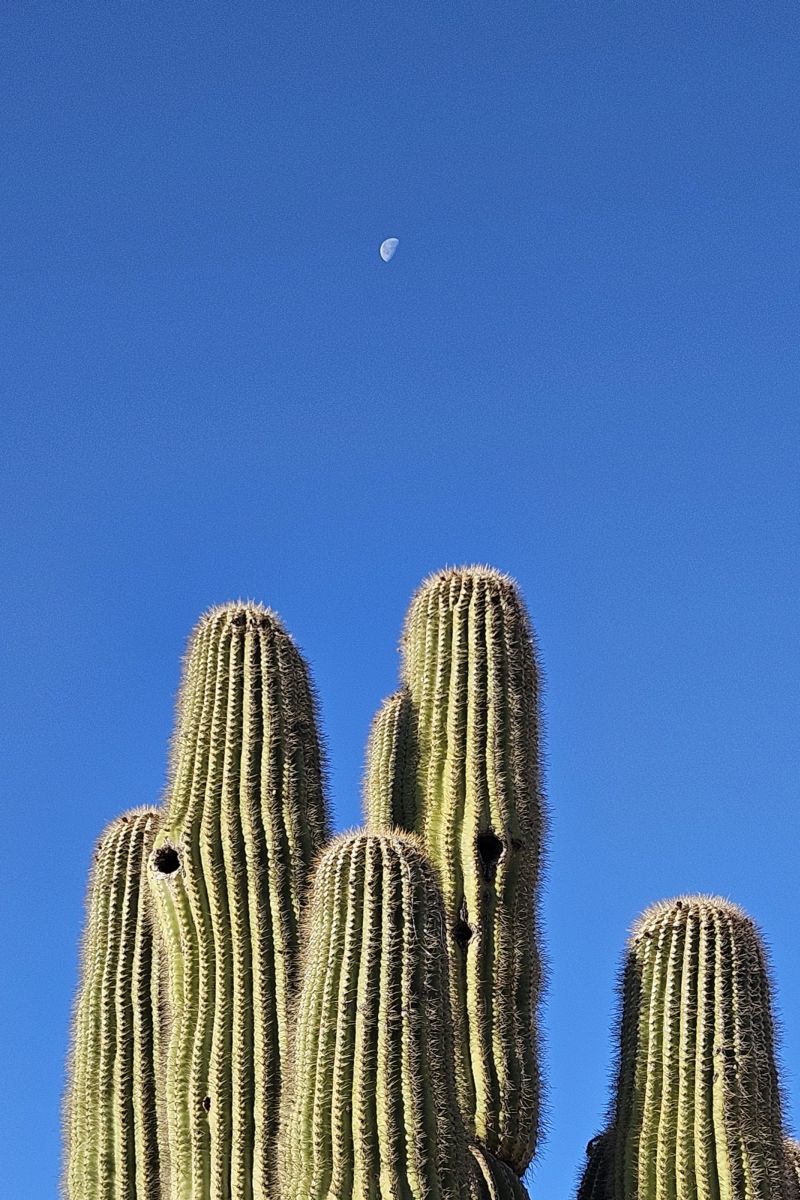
(112, 1110)
(390, 782)
(372, 1109)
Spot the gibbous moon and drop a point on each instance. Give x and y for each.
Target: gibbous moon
(388, 248)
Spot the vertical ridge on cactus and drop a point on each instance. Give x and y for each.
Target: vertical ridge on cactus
(245, 817)
(470, 671)
(111, 1107)
(372, 1109)
(697, 1114)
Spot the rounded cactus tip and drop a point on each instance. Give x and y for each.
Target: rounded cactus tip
(239, 614)
(472, 571)
(699, 905)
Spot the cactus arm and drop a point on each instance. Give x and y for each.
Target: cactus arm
(697, 1114)
(112, 1105)
(354, 1132)
(390, 779)
(469, 667)
(245, 815)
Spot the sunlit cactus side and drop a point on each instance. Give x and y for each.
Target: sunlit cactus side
(390, 782)
(469, 670)
(697, 1111)
(245, 817)
(372, 1109)
(112, 1139)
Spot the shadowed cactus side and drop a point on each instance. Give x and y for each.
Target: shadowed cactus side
(697, 1111)
(492, 1179)
(245, 817)
(373, 1111)
(112, 1114)
(470, 687)
(792, 1150)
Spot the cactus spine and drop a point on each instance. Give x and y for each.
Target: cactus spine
(373, 1111)
(111, 1111)
(245, 816)
(470, 677)
(697, 1114)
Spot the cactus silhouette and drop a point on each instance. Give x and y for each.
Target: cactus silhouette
(697, 1111)
(245, 816)
(373, 1110)
(468, 714)
(111, 1109)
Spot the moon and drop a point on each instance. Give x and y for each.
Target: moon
(388, 248)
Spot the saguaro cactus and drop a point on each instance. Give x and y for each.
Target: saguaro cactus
(697, 1112)
(111, 1111)
(245, 817)
(373, 1111)
(470, 684)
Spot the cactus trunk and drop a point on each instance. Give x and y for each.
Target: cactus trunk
(111, 1112)
(373, 1111)
(245, 817)
(470, 676)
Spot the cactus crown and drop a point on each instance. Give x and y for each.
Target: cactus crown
(697, 1109)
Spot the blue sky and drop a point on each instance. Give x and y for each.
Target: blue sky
(581, 366)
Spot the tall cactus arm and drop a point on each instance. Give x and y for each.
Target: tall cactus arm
(245, 816)
(111, 1107)
(372, 1111)
(469, 668)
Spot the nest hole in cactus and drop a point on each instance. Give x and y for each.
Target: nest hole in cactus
(489, 850)
(462, 930)
(167, 860)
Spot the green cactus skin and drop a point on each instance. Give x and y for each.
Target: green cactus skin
(697, 1114)
(390, 783)
(245, 817)
(792, 1154)
(469, 669)
(493, 1180)
(373, 1111)
(111, 1108)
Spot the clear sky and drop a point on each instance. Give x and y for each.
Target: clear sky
(581, 366)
